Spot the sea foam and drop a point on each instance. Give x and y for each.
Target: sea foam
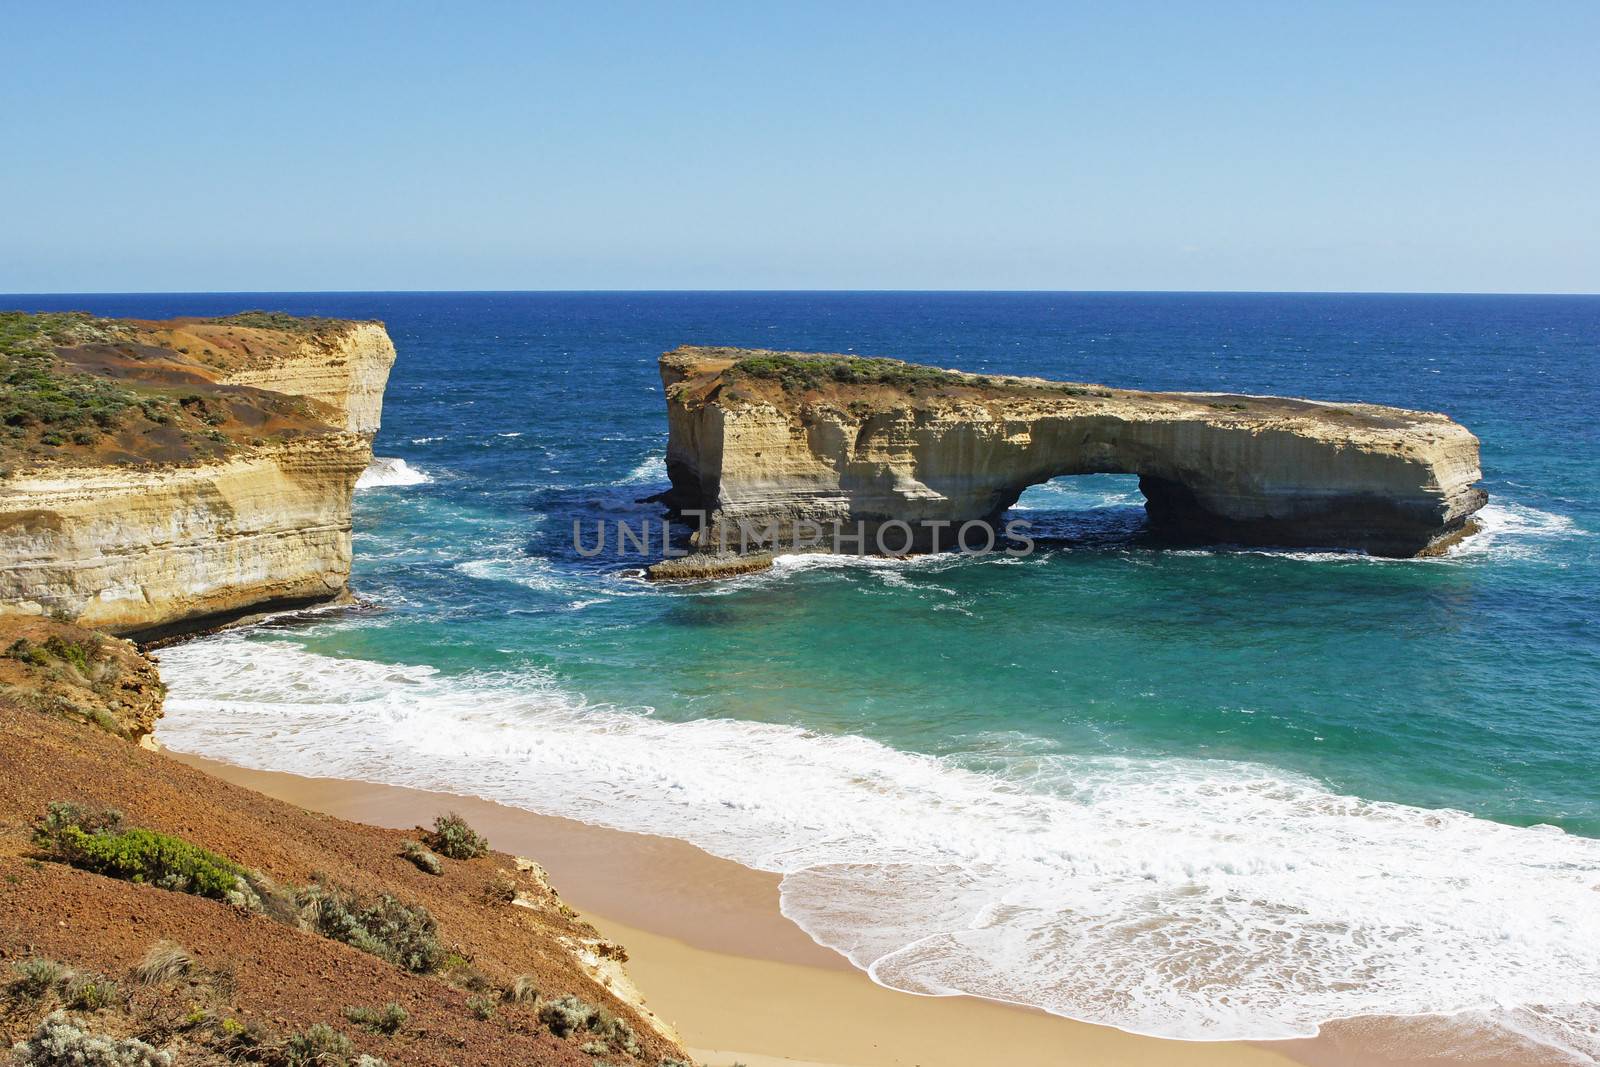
(385, 471)
(1199, 899)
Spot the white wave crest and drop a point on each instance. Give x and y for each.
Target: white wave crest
(530, 572)
(386, 471)
(650, 471)
(1508, 530)
(1181, 898)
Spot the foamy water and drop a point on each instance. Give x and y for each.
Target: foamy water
(1180, 898)
(388, 471)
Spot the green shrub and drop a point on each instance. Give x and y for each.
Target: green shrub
(70, 651)
(93, 840)
(159, 859)
(37, 390)
(250, 1041)
(319, 1046)
(482, 1007)
(60, 1042)
(802, 371)
(279, 320)
(424, 860)
(403, 935)
(36, 977)
(87, 992)
(385, 1020)
(62, 814)
(454, 838)
(567, 1015)
(53, 650)
(618, 1033)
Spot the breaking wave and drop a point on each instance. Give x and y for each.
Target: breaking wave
(650, 471)
(385, 471)
(1199, 899)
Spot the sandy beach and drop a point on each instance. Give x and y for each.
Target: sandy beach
(716, 959)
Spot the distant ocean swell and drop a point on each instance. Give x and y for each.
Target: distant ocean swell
(1179, 898)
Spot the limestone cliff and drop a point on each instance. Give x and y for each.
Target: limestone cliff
(792, 442)
(190, 493)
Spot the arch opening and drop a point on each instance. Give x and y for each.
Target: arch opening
(1083, 509)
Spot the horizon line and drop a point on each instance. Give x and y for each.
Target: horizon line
(840, 292)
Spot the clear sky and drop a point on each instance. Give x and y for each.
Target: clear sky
(981, 145)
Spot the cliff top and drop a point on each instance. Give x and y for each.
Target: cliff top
(88, 391)
(863, 385)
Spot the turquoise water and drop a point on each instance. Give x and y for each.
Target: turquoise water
(1209, 793)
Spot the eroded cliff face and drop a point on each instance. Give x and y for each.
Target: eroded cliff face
(790, 442)
(212, 491)
(151, 552)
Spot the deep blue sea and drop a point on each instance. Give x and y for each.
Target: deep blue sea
(1202, 794)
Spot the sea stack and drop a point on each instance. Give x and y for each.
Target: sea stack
(165, 477)
(789, 442)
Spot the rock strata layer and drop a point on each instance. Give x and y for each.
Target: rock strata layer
(788, 445)
(154, 532)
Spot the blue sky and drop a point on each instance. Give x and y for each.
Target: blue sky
(1343, 146)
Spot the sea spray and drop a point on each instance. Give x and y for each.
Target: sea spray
(389, 471)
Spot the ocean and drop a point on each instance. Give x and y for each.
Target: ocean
(1198, 794)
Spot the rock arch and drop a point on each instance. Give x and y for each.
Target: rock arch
(788, 442)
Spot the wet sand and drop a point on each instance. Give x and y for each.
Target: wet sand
(742, 984)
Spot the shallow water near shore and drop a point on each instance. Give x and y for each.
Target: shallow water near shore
(1191, 793)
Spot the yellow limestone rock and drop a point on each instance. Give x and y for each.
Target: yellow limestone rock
(789, 442)
(146, 545)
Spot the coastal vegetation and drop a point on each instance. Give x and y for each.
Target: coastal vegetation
(36, 977)
(61, 1041)
(41, 399)
(317, 1046)
(54, 649)
(299, 325)
(567, 1015)
(386, 1020)
(64, 670)
(453, 837)
(93, 840)
(404, 935)
(524, 989)
(799, 371)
